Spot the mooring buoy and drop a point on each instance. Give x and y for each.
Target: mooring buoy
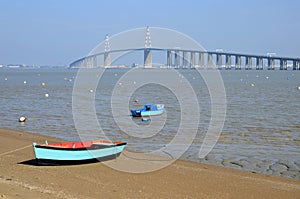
(22, 119)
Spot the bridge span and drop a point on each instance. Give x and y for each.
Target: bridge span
(184, 58)
(187, 58)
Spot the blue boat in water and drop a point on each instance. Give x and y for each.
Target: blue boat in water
(148, 110)
(78, 151)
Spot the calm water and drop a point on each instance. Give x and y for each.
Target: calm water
(261, 131)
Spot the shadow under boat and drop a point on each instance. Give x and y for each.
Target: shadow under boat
(46, 162)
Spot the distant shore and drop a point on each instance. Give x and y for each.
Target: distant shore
(21, 178)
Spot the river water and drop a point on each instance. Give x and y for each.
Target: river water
(261, 130)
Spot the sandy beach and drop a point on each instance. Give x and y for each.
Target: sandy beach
(21, 178)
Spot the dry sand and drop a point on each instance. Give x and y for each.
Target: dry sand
(20, 178)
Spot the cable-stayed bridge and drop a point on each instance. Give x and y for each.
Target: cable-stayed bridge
(186, 58)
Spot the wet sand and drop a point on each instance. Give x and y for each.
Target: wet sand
(21, 178)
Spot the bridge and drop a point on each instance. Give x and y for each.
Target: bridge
(186, 58)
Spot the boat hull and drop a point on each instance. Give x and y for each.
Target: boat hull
(44, 152)
(143, 112)
(151, 113)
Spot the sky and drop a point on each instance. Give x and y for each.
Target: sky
(57, 32)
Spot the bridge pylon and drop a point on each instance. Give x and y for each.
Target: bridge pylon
(107, 61)
(147, 50)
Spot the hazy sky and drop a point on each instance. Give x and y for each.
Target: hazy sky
(56, 32)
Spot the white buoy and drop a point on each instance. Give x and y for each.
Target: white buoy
(22, 119)
(5, 78)
(91, 91)
(25, 82)
(298, 87)
(267, 77)
(46, 95)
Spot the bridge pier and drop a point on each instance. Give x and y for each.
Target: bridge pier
(201, 59)
(193, 59)
(228, 62)
(219, 61)
(271, 64)
(248, 65)
(169, 58)
(95, 61)
(296, 64)
(106, 59)
(147, 57)
(89, 63)
(185, 59)
(84, 63)
(177, 59)
(259, 63)
(209, 60)
(238, 62)
(283, 64)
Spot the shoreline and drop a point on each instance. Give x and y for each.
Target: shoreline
(181, 179)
